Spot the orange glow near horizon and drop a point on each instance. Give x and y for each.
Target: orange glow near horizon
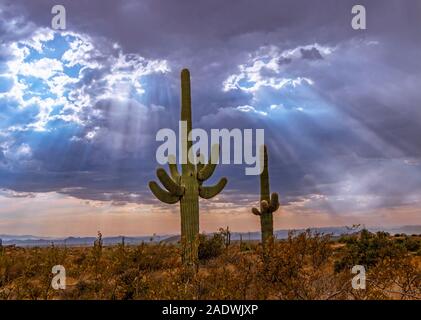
(58, 215)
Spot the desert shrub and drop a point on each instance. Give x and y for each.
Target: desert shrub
(412, 244)
(300, 268)
(245, 246)
(368, 249)
(210, 247)
(391, 272)
(345, 238)
(152, 257)
(7, 274)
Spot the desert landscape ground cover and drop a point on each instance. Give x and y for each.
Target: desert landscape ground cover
(304, 266)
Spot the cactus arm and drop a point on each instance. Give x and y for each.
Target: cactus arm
(256, 211)
(161, 194)
(174, 172)
(173, 168)
(174, 188)
(210, 192)
(207, 170)
(274, 202)
(264, 206)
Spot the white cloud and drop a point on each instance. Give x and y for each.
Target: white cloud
(264, 68)
(43, 68)
(103, 71)
(38, 37)
(24, 150)
(276, 106)
(248, 108)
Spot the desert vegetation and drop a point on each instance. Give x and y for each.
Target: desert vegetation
(304, 266)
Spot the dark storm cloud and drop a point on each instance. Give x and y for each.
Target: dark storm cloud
(284, 61)
(363, 111)
(311, 54)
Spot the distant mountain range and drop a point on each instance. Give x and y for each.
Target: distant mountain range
(32, 241)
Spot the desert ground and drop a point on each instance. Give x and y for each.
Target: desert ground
(304, 266)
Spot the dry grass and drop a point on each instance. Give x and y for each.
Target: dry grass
(301, 267)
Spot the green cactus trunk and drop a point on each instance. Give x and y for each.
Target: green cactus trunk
(268, 203)
(266, 225)
(189, 203)
(187, 187)
(189, 209)
(266, 220)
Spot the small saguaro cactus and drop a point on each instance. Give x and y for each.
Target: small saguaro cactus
(268, 203)
(187, 187)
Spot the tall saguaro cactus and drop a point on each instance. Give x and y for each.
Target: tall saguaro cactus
(187, 187)
(268, 203)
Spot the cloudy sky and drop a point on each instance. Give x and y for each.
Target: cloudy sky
(80, 108)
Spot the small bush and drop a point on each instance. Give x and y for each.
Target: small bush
(412, 244)
(368, 250)
(245, 246)
(212, 247)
